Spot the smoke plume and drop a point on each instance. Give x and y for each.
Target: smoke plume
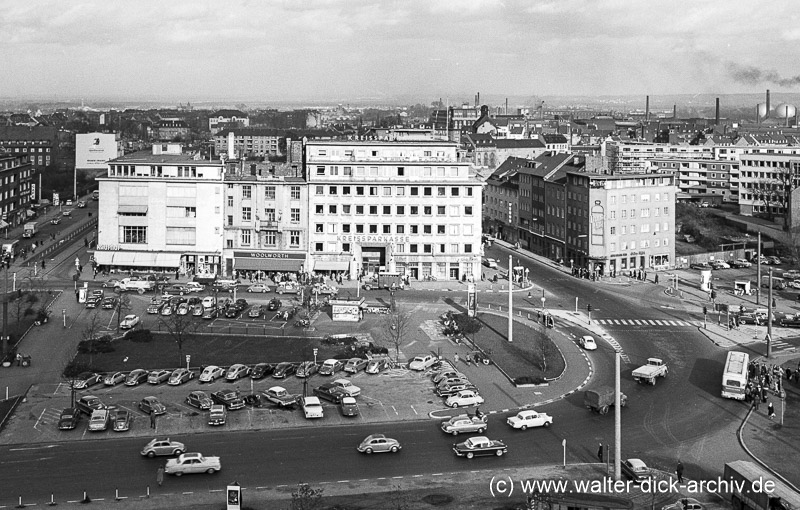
(751, 75)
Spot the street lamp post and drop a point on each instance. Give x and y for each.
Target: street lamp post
(316, 350)
(543, 299)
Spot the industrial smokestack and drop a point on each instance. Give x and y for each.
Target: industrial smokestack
(506, 107)
(767, 114)
(477, 99)
(647, 108)
(674, 111)
(716, 116)
(758, 116)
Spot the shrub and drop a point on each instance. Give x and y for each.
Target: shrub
(139, 335)
(96, 345)
(527, 379)
(75, 368)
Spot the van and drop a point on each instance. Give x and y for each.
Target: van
(778, 283)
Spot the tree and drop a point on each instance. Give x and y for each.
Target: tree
(306, 498)
(123, 307)
(181, 328)
(91, 333)
(544, 349)
(395, 328)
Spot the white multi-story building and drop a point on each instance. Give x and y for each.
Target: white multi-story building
(632, 156)
(409, 207)
(161, 210)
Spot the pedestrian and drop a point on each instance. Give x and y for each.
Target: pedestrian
(160, 475)
(763, 394)
(455, 358)
(656, 279)
(770, 411)
(77, 296)
(600, 452)
(774, 303)
(176, 274)
(679, 471)
(756, 400)
(42, 263)
(152, 419)
(788, 374)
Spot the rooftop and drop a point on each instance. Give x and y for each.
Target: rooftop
(146, 157)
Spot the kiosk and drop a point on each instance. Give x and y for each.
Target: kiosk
(346, 310)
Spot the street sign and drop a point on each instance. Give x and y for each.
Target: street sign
(472, 300)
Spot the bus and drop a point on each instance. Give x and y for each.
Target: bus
(734, 378)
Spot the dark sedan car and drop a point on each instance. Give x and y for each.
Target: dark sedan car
(792, 321)
(274, 304)
(330, 392)
(229, 398)
(92, 302)
(87, 379)
(210, 313)
(700, 265)
(69, 418)
(283, 370)
(109, 303)
(231, 312)
(262, 370)
(256, 400)
(240, 304)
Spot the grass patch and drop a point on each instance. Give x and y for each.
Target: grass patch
(524, 356)
(162, 352)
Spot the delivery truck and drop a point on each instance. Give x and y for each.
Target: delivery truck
(30, 229)
(10, 249)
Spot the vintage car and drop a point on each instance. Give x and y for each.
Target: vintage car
(288, 288)
(421, 363)
(324, 289)
(353, 365)
(464, 424)
(351, 389)
(200, 400)
(229, 398)
(312, 407)
(280, 397)
(109, 303)
(349, 406)
(330, 392)
(529, 418)
(188, 463)
(376, 365)
(306, 369)
(180, 376)
(464, 398)
(236, 372)
(99, 420)
(211, 373)
(163, 447)
(378, 443)
(331, 366)
(480, 445)
(121, 420)
(69, 418)
(217, 415)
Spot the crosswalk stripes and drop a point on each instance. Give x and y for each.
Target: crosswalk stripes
(646, 322)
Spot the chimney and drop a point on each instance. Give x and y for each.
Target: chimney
(506, 106)
(647, 109)
(231, 151)
(767, 114)
(477, 99)
(758, 117)
(674, 111)
(716, 116)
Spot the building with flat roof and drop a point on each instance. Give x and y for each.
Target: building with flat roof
(17, 190)
(406, 206)
(40, 143)
(161, 210)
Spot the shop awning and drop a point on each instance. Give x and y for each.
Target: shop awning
(331, 265)
(137, 259)
(254, 264)
(31, 213)
(125, 258)
(104, 258)
(132, 209)
(167, 260)
(3, 224)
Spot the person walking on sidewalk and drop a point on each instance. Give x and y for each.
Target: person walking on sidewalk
(600, 452)
(771, 411)
(152, 419)
(679, 471)
(160, 475)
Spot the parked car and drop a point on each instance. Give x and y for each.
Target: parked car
(331, 366)
(351, 389)
(353, 365)
(529, 418)
(258, 287)
(283, 370)
(229, 398)
(330, 392)
(774, 260)
(163, 447)
(464, 398)
(180, 376)
(189, 463)
(92, 301)
(588, 343)
(261, 370)
(114, 378)
(791, 321)
(288, 288)
(211, 313)
(379, 443)
(635, 469)
(376, 365)
(490, 263)
(280, 397)
(349, 407)
(231, 312)
(464, 424)
(792, 274)
(136, 377)
(197, 310)
(211, 373)
(446, 374)
(718, 264)
(209, 302)
(129, 322)
(421, 363)
(199, 399)
(99, 420)
(700, 265)
(159, 376)
(194, 287)
(108, 303)
(217, 415)
(451, 389)
(306, 369)
(274, 304)
(121, 420)
(237, 371)
(151, 405)
(183, 309)
(168, 309)
(87, 404)
(741, 263)
(69, 418)
(156, 306)
(255, 312)
(312, 407)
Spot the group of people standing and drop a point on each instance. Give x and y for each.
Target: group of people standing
(763, 379)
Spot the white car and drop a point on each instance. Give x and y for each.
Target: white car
(795, 284)
(351, 389)
(211, 373)
(209, 302)
(421, 363)
(524, 419)
(743, 263)
(587, 342)
(193, 286)
(464, 398)
(99, 420)
(237, 371)
(129, 322)
(685, 504)
(312, 407)
(490, 263)
(192, 463)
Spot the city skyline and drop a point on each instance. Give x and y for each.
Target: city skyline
(369, 49)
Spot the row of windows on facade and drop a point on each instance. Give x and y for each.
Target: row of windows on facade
(387, 191)
(454, 249)
(358, 228)
(385, 171)
(372, 153)
(643, 213)
(152, 171)
(631, 245)
(643, 229)
(33, 149)
(399, 210)
(769, 164)
(270, 192)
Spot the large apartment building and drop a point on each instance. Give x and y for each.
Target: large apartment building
(768, 185)
(40, 143)
(702, 180)
(16, 188)
(161, 210)
(622, 156)
(409, 207)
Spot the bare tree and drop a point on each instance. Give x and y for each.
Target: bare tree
(181, 328)
(395, 328)
(544, 349)
(304, 497)
(123, 307)
(91, 333)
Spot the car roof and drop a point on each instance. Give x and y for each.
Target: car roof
(348, 400)
(374, 436)
(277, 388)
(312, 400)
(637, 464)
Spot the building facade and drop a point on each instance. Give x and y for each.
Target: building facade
(769, 185)
(172, 129)
(702, 180)
(227, 119)
(633, 157)
(501, 201)
(250, 142)
(161, 210)
(266, 221)
(40, 143)
(408, 207)
(16, 189)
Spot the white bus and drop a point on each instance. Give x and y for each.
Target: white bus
(734, 378)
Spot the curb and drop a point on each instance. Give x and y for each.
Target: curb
(763, 464)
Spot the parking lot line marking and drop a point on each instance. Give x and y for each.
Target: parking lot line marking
(216, 490)
(416, 476)
(343, 481)
(415, 411)
(186, 493)
(397, 478)
(40, 419)
(437, 474)
(282, 485)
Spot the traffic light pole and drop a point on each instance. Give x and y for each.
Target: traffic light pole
(589, 311)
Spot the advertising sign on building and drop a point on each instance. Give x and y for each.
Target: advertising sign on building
(94, 150)
(472, 300)
(234, 497)
(56, 199)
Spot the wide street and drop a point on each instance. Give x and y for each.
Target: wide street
(682, 417)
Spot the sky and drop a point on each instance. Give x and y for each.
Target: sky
(193, 50)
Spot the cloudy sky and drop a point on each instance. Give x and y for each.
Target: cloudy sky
(304, 49)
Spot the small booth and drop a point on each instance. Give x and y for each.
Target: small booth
(347, 310)
(742, 288)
